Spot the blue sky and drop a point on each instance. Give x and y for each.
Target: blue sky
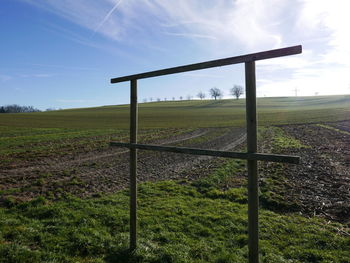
(62, 54)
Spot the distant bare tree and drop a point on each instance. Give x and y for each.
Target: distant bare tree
(14, 108)
(144, 100)
(173, 98)
(237, 91)
(189, 97)
(215, 93)
(180, 97)
(151, 99)
(165, 99)
(158, 99)
(201, 95)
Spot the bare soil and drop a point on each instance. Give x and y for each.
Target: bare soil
(341, 125)
(107, 171)
(321, 183)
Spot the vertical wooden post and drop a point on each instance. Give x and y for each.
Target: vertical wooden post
(253, 198)
(133, 164)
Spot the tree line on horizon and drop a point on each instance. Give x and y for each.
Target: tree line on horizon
(14, 108)
(214, 93)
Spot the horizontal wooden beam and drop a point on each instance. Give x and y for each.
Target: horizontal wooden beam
(195, 151)
(215, 63)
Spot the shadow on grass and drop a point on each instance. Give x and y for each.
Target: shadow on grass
(123, 256)
(126, 256)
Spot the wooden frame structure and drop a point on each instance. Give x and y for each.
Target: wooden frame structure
(251, 155)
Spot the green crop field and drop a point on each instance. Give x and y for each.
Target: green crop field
(25, 137)
(202, 220)
(179, 114)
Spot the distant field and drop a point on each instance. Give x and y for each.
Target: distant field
(27, 137)
(62, 197)
(185, 114)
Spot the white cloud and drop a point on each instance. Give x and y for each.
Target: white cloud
(224, 27)
(330, 18)
(245, 23)
(290, 62)
(323, 68)
(253, 24)
(249, 23)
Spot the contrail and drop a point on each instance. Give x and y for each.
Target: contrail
(106, 17)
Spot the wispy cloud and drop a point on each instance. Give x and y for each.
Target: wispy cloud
(86, 41)
(226, 27)
(38, 75)
(330, 19)
(89, 14)
(322, 26)
(243, 22)
(107, 17)
(5, 77)
(248, 24)
(189, 35)
(62, 67)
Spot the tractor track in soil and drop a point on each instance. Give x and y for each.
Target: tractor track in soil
(320, 185)
(108, 171)
(95, 156)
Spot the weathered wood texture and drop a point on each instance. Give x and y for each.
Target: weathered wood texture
(215, 63)
(195, 151)
(252, 165)
(133, 165)
(251, 156)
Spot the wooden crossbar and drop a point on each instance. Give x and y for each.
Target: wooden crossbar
(195, 151)
(215, 63)
(251, 155)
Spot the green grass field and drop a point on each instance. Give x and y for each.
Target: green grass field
(179, 221)
(180, 114)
